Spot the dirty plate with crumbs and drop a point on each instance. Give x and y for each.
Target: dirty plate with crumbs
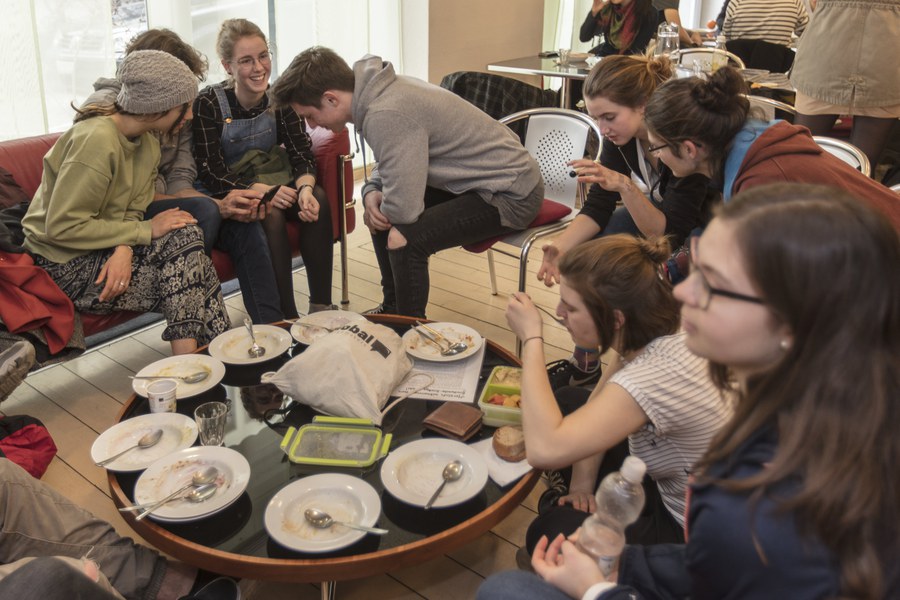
(419, 347)
(344, 497)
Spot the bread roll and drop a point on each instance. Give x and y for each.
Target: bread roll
(509, 443)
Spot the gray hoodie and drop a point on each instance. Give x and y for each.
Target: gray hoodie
(423, 135)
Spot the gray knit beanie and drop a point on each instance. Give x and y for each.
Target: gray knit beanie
(154, 82)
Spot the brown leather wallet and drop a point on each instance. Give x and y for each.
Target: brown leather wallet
(455, 420)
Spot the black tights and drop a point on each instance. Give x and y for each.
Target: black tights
(869, 134)
(316, 239)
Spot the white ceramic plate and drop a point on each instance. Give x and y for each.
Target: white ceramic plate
(179, 431)
(182, 366)
(175, 471)
(412, 472)
(308, 329)
(344, 497)
(231, 347)
(417, 346)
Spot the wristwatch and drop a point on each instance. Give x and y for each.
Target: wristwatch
(305, 185)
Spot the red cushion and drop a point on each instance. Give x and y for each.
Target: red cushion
(550, 212)
(96, 323)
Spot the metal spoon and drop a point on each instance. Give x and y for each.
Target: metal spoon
(147, 440)
(437, 337)
(322, 520)
(198, 494)
(451, 472)
(192, 378)
(207, 475)
(255, 351)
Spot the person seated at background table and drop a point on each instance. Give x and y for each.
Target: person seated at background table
(85, 225)
(53, 549)
(627, 26)
(705, 126)
(773, 21)
(797, 496)
(241, 143)
(447, 173)
(228, 224)
(655, 401)
(843, 67)
(616, 91)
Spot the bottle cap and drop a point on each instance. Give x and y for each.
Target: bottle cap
(633, 469)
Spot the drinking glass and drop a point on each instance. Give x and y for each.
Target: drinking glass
(564, 57)
(211, 418)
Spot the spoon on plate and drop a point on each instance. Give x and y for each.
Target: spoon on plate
(147, 440)
(207, 475)
(322, 520)
(451, 472)
(198, 494)
(192, 378)
(437, 337)
(255, 351)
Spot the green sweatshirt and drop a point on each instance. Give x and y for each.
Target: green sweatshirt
(94, 190)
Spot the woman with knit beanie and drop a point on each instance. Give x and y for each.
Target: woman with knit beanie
(85, 224)
(235, 131)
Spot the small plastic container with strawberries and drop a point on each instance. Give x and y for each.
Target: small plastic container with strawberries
(501, 396)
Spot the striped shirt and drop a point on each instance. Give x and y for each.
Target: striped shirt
(770, 20)
(684, 411)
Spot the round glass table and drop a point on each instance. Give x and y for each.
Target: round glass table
(234, 541)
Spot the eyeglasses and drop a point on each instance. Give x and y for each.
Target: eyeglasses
(705, 292)
(656, 148)
(246, 63)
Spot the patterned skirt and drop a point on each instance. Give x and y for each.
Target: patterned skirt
(172, 275)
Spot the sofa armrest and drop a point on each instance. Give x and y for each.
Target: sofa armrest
(24, 158)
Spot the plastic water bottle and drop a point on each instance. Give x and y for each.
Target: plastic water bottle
(719, 57)
(620, 499)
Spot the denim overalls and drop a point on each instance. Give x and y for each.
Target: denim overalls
(241, 135)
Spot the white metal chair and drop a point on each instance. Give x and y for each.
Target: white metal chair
(687, 57)
(770, 105)
(847, 152)
(554, 136)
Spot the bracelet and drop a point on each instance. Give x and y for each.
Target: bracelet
(130, 249)
(305, 185)
(534, 337)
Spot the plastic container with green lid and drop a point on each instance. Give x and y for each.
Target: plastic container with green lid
(337, 442)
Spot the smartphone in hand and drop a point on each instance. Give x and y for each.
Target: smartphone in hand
(269, 194)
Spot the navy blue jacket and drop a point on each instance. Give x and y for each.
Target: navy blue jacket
(720, 560)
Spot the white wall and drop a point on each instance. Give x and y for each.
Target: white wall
(466, 35)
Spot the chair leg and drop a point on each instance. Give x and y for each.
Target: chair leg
(491, 272)
(345, 206)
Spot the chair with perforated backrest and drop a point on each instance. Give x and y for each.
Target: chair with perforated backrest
(772, 107)
(847, 152)
(554, 136)
(687, 57)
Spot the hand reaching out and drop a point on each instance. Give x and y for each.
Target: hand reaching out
(549, 270)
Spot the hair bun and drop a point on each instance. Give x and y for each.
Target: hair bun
(656, 249)
(719, 92)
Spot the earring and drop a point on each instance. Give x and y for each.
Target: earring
(785, 345)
